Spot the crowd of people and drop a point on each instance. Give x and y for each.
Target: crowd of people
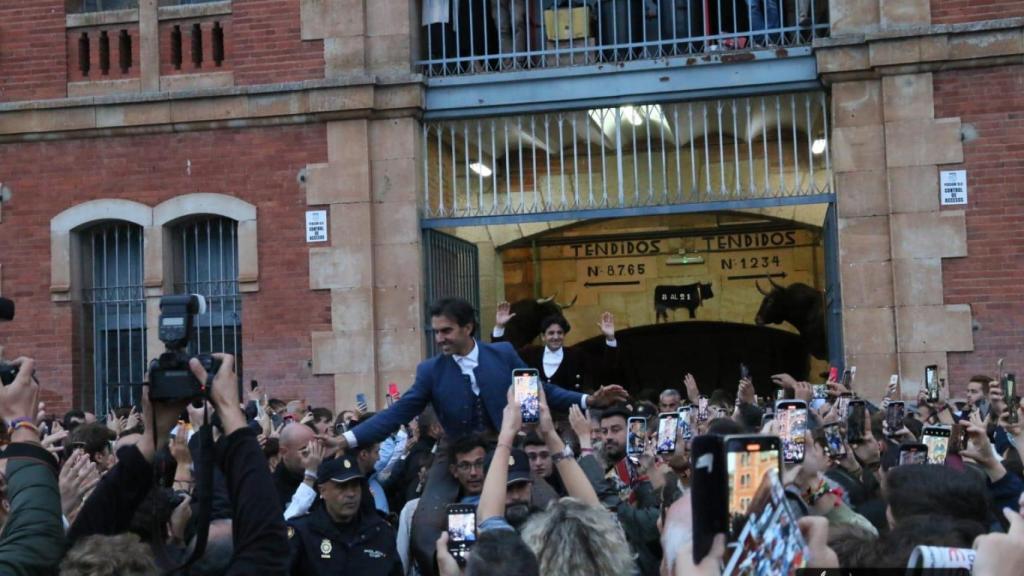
(449, 481)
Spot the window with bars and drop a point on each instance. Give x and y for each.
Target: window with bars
(114, 315)
(206, 262)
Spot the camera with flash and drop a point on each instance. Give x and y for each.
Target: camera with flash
(170, 378)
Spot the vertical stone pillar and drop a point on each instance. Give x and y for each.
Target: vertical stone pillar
(341, 24)
(149, 46)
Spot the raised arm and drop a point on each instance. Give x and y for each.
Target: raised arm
(492, 498)
(576, 483)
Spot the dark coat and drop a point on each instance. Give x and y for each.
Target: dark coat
(319, 546)
(582, 368)
(33, 538)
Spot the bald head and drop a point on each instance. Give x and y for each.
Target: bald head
(294, 438)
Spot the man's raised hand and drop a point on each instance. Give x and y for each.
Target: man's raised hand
(607, 396)
(503, 314)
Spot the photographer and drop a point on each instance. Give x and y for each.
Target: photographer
(32, 540)
(258, 529)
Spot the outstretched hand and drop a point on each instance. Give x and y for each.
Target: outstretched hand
(503, 314)
(607, 326)
(607, 396)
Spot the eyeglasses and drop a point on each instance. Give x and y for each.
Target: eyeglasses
(538, 455)
(467, 466)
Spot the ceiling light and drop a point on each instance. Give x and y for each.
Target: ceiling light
(818, 147)
(481, 169)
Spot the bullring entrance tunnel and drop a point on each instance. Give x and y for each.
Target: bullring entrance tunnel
(690, 293)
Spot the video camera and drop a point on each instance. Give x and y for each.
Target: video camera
(170, 378)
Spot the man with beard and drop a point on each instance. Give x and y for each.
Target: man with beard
(518, 488)
(632, 489)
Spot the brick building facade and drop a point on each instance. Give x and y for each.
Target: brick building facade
(257, 111)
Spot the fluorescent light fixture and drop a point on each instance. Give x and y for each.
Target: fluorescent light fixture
(818, 146)
(630, 114)
(481, 169)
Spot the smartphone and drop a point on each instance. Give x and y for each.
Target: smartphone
(894, 414)
(744, 372)
(684, 422)
(894, 384)
(668, 430)
(770, 541)
(780, 394)
(747, 459)
(913, 454)
(767, 417)
(1010, 393)
(936, 438)
(834, 445)
(461, 530)
(791, 421)
(959, 437)
(709, 494)
(847, 380)
(833, 374)
(843, 403)
(527, 391)
(702, 408)
(856, 416)
(253, 384)
(636, 435)
(931, 382)
(361, 403)
(819, 391)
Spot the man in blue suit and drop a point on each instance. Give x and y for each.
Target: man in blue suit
(467, 385)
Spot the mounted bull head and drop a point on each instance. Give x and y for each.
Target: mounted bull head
(524, 327)
(800, 305)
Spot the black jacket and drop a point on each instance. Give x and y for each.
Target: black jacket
(366, 545)
(585, 366)
(285, 484)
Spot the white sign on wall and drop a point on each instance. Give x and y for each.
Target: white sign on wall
(953, 186)
(316, 226)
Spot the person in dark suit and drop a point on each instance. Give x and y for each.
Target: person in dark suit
(572, 368)
(467, 387)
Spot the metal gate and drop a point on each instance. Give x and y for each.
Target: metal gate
(452, 270)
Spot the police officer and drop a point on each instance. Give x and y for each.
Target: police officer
(343, 533)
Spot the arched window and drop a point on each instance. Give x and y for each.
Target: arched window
(113, 329)
(205, 250)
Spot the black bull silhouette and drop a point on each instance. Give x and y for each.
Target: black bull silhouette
(800, 305)
(689, 296)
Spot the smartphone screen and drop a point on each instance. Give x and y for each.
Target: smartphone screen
(843, 403)
(668, 428)
(636, 436)
(791, 421)
(936, 438)
(913, 454)
(855, 419)
(684, 423)
(1010, 386)
(253, 384)
(833, 374)
(744, 372)
(819, 391)
(527, 382)
(461, 530)
(769, 541)
(847, 378)
(702, 408)
(392, 393)
(747, 459)
(361, 402)
(931, 382)
(894, 414)
(834, 441)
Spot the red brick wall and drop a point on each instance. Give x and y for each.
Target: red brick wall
(957, 11)
(991, 277)
(268, 45)
(257, 165)
(32, 53)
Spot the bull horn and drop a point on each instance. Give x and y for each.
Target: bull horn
(772, 280)
(759, 289)
(569, 305)
(548, 299)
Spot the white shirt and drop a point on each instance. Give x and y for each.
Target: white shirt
(467, 364)
(552, 360)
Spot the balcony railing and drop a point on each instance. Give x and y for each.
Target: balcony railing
(477, 36)
(739, 149)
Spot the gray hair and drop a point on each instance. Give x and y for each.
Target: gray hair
(573, 539)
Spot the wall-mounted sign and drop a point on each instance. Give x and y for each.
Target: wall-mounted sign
(316, 226)
(953, 186)
(750, 240)
(616, 274)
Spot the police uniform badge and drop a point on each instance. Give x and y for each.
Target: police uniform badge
(325, 548)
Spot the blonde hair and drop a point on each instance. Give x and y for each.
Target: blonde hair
(121, 555)
(573, 539)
